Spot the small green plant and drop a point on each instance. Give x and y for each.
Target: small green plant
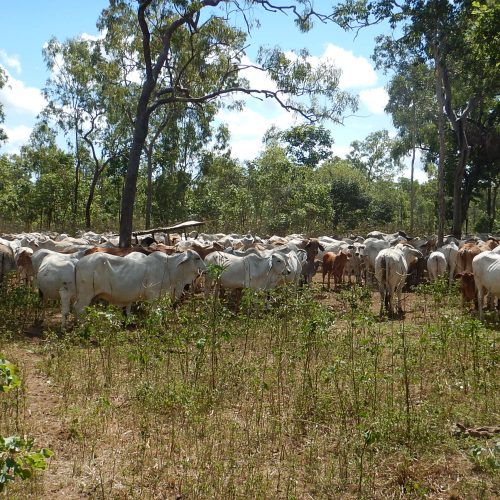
(17, 458)
(485, 458)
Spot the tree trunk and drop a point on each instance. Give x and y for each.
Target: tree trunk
(130, 188)
(458, 179)
(494, 206)
(77, 178)
(90, 199)
(442, 150)
(412, 187)
(149, 188)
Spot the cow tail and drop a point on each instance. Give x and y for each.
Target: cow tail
(384, 278)
(385, 272)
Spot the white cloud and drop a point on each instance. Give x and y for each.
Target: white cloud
(357, 71)
(93, 38)
(258, 79)
(18, 98)
(10, 61)
(341, 151)
(17, 137)
(248, 126)
(374, 99)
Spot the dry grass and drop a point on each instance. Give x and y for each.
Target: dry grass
(313, 398)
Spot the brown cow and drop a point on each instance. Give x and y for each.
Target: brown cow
(488, 245)
(161, 247)
(25, 266)
(467, 287)
(465, 256)
(334, 265)
(312, 246)
(203, 251)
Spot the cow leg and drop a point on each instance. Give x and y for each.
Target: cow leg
(382, 300)
(491, 301)
(400, 308)
(480, 293)
(65, 305)
(452, 273)
(237, 292)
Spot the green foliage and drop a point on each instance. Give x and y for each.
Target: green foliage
(305, 144)
(349, 196)
(9, 378)
(374, 156)
(17, 458)
(485, 458)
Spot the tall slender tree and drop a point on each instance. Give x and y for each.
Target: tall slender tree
(191, 53)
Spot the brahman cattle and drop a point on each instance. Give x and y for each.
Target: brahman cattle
(7, 261)
(55, 279)
(391, 267)
(251, 271)
(436, 265)
(486, 269)
(122, 281)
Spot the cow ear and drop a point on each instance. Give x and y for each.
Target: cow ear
(308, 244)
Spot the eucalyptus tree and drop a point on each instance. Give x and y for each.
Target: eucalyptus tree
(80, 101)
(374, 156)
(192, 53)
(48, 169)
(443, 35)
(306, 144)
(412, 106)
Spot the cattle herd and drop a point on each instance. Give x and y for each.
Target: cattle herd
(77, 271)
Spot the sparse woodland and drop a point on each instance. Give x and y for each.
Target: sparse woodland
(309, 394)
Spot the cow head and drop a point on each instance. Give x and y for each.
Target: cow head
(312, 247)
(278, 264)
(192, 257)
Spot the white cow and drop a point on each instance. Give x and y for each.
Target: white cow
(38, 257)
(486, 269)
(122, 281)
(391, 267)
(24, 264)
(55, 279)
(355, 265)
(251, 271)
(372, 248)
(294, 261)
(450, 252)
(436, 265)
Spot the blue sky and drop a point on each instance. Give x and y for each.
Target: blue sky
(29, 24)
